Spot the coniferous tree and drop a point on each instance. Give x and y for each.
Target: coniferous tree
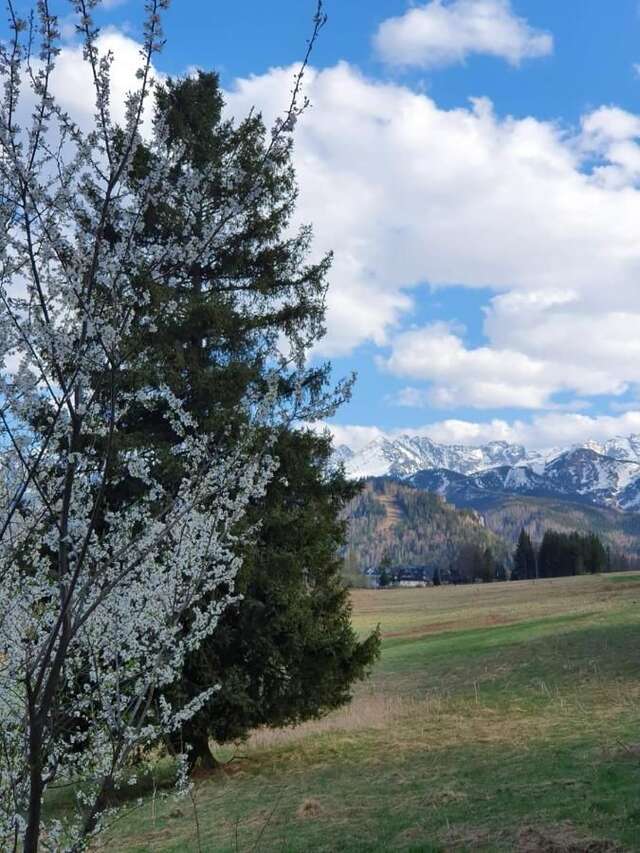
(524, 558)
(567, 554)
(501, 572)
(385, 576)
(385, 579)
(488, 571)
(287, 651)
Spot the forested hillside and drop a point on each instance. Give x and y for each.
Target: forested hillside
(411, 527)
(506, 516)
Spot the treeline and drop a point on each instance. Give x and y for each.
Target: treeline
(618, 531)
(561, 555)
(474, 564)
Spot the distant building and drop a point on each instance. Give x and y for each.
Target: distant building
(410, 576)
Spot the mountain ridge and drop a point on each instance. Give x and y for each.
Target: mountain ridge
(604, 474)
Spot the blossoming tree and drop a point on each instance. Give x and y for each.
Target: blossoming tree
(95, 592)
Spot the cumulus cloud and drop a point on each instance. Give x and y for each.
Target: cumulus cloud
(612, 134)
(480, 377)
(406, 193)
(440, 34)
(72, 82)
(354, 437)
(517, 372)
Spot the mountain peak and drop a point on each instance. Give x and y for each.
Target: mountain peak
(605, 473)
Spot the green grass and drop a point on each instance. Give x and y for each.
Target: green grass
(497, 715)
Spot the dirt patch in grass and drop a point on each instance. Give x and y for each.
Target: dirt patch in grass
(490, 620)
(564, 838)
(310, 808)
(623, 750)
(445, 797)
(467, 838)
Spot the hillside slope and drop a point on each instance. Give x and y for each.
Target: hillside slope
(506, 515)
(412, 527)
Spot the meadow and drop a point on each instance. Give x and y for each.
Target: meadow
(502, 717)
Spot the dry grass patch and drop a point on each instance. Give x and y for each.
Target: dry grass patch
(309, 808)
(399, 610)
(483, 621)
(367, 711)
(561, 839)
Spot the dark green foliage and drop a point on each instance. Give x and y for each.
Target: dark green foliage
(488, 567)
(501, 572)
(287, 651)
(472, 564)
(385, 577)
(524, 559)
(506, 515)
(564, 554)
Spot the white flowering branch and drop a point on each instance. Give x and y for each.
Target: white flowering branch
(95, 593)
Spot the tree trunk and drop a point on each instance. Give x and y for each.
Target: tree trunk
(101, 802)
(200, 753)
(36, 790)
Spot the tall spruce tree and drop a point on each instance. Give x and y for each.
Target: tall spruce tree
(565, 554)
(488, 573)
(238, 322)
(524, 558)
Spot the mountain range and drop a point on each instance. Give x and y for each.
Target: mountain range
(602, 474)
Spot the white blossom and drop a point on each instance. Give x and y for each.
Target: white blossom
(94, 599)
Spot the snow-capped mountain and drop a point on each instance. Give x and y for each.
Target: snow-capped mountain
(404, 456)
(622, 447)
(599, 473)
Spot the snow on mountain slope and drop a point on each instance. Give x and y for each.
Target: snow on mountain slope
(622, 447)
(603, 473)
(584, 472)
(404, 456)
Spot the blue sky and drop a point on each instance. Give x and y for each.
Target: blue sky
(475, 166)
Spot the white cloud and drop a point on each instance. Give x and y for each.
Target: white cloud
(543, 432)
(72, 82)
(517, 372)
(406, 193)
(443, 34)
(354, 437)
(612, 134)
(482, 377)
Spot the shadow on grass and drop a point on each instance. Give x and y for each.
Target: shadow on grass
(420, 802)
(470, 777)
(551, 648)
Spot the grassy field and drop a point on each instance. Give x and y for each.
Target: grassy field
(501, 717)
